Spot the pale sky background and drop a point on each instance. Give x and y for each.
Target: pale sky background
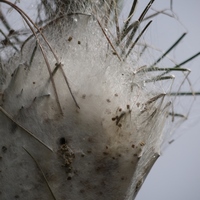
(176, 176)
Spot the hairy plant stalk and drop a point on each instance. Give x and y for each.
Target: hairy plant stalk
(79, 118)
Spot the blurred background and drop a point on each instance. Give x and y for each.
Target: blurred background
(176, 174)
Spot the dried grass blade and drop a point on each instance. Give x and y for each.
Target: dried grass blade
(26, 130)
(41, 172)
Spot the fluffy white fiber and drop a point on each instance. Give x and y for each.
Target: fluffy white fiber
(100, 139)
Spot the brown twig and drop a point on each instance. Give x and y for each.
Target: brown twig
(43, 174)
(26, 130)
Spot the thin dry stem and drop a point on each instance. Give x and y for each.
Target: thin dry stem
(25, 129)
(43, 174)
